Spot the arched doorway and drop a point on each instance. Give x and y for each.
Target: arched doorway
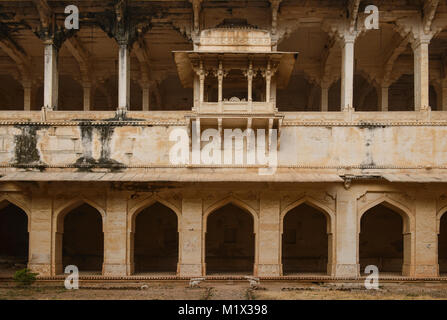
(156, 240)
(230, 241)
(14, 240)
(442, 245)
(305, 241)
(382, 240)
(83, 239)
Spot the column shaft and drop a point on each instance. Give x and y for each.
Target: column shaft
(346, 241)
(51, 77)
(124, 77)
(384, 99)
(202, 87)
(115, 230)
(421, 75)
(88, 97)
(267, 88)
(269, 237)
(347, 73)
(250, 88)
(40, 242)
(426, 242)
(191, 254)
(220, 88)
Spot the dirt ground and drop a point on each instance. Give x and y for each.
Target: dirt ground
(230, 290)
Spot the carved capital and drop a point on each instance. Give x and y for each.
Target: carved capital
(121, 25)
(342, 31)
(197, 7)
(275, 8)
(417, 33)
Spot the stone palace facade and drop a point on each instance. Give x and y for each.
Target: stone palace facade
(356, 113)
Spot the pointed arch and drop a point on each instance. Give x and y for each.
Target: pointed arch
(329, 215)
(403, 211)
(247, 249)
(63, 210)
(404, 255)
(133, 212)
(441, 240)
(7, 199)
(14, 230)
(58, 226)
(79, 236)
(439, 216)
(146, 203)
(328, 212)
(230, 200)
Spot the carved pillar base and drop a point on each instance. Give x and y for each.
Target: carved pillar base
(269, 270)
(191, 270)
(43, 269)
(347, 270)
(110, 269)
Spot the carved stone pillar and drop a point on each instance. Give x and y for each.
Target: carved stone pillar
(269, 236)
(421, 70)
(268, 82)
(220, 76)
(347, 70)
(384, 98)
(51, 76)
(346, 262)
(426, 244)
(116, 248)
(191, 259)
(249, 75)
(40, 228)
(124, 77)
(125, 29)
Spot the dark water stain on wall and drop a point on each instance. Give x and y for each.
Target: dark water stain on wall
(26, 152)
(370, 130)
(86, 140)
(106, 133)
(86, 162)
